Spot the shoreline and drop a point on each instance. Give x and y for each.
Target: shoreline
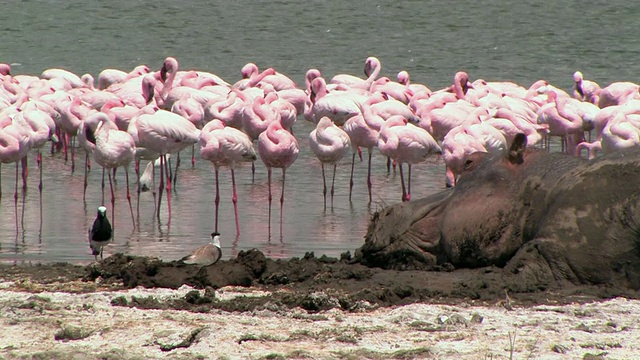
(66, 325)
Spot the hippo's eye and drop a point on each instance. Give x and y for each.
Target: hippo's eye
(468, 164)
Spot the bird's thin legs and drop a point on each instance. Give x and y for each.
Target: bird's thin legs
(253, 171)
(284, 171)
(25, 172)
(39, 163)
(126, 175)
(86, 170)
(175, 173)
(369, 176)
(103, 186)
(409, 184)
(333, 180)
(73, 154)
(234, 199)
(269, 184)
(15, 194)
(113, 200)
(324, 187)
(404, 191)
(160, 187)
(169, 185)
(216, 201)
(138, 190)
(353, 160)
(193, 156)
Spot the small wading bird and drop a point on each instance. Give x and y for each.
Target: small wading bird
(205, 255)
(100, 233)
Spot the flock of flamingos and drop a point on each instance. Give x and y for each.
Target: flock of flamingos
(147, 115)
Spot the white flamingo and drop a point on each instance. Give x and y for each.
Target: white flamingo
(114, 148)
(330, 144)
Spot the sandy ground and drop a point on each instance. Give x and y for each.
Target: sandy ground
(94, 324)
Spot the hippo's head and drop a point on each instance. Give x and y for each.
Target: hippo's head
(469, 225)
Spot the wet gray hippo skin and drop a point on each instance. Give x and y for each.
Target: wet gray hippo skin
(548, 219)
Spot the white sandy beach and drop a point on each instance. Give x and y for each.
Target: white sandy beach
(31, 322)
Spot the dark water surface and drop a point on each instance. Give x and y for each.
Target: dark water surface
(521, 42)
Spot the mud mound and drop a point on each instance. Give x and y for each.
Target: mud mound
(320, 283)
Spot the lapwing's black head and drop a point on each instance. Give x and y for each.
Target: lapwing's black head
(102, 212)
(214, 234)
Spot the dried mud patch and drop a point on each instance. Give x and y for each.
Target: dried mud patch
(312, 283)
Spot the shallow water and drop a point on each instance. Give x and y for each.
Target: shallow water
(521, 42)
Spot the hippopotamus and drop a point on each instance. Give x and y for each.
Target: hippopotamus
(547, 217)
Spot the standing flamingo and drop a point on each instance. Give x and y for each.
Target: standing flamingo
(406, 143)
(363, 130)
(163, 132)
(87, 140)
(279, 149)
(225, 146)
(114, 148)
(14, 145)
(330, 144)
(41, 128)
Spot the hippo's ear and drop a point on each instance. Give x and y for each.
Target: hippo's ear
(517, 149)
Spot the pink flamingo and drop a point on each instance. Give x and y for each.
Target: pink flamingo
(228, 110)
(330, 144)
(452, 114)
(404, 79)
(337, 105)
(225, 146)
(14, 146)
(287, 111)
(87, 140)
(5, 69)
(192, 110)
(617, 127)
(393, 89)
(617, 93)
(517, 124)
(277, 80)
(463, 141)
(163, 132)
(256, 117)
(620, 133)
(585, 90)
(562, 120)
(70, 79)
(71, 115)
(41, 128)
(363, 131)
(279, 149)
(139, 91)
(406, 143)
(114, 148)
(108, 77)
(253, 79)
(372, 68)
(460, 85)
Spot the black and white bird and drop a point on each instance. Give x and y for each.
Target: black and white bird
(100, 233)
(205, 255)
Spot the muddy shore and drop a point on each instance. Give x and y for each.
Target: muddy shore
(310, 295)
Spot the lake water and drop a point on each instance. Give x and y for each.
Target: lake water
(521, 42)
